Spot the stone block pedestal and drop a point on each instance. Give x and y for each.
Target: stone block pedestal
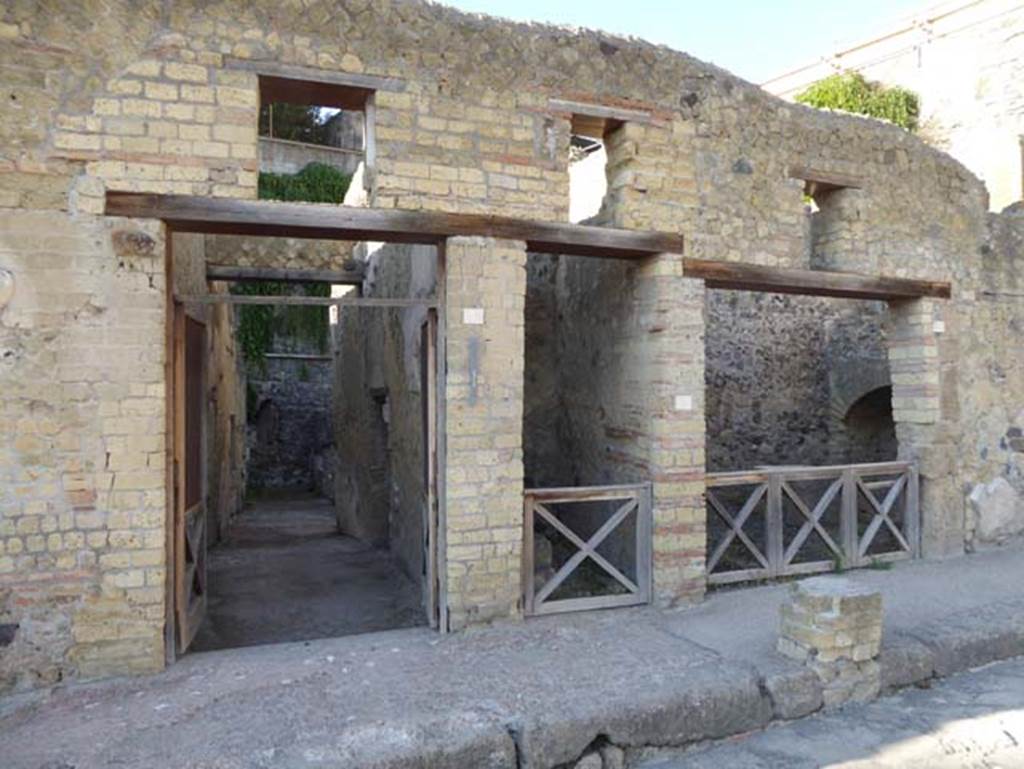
(834, 626)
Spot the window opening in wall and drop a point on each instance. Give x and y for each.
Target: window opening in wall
(314, 139)
(588, 182)
(832, 209)
(588, 166)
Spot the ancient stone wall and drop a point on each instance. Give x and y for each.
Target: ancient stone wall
(226, 443)
(82, 465)
(278, 253)
(381, 490)
(623, 396)
(286, 157)
(158, 97)
(992, 453)
(784, 372)
(482, 551)
(289, 422)
(362, 483)
(548, 450)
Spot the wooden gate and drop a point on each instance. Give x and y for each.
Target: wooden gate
(189, 477)
(603, 529)
(428, 400)
(786, 521)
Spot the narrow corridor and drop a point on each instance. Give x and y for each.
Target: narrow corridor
(284, 573)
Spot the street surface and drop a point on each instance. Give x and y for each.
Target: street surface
(971, 721)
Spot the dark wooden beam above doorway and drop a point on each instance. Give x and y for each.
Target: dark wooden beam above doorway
(234, 274)
(755, 277)
(186, 213)
(305, 301)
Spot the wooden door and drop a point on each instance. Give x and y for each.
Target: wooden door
(189, 477)
(428, 396)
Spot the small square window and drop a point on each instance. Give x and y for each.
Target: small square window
(303, 122)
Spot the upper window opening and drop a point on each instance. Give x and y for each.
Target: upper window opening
(309, 112)
(588, 165)
(593, 127)
(314, 140)
(832, 217)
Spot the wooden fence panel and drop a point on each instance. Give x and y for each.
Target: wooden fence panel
(780, 522)
(600, 512)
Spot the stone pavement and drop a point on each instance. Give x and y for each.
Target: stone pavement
(535, 694)
(286, 574)
(973, 719)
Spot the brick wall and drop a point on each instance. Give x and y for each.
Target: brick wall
(82, 495)
(484, 392)
(483, 151)
(922, 424)
(181, 126)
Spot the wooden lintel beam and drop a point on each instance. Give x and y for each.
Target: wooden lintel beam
(753, 277)
(602, 111)
(315, 75)
(306, 301)
(298, 356)
(249, 274)
(597, 120)
(825, 180)
(186, 213)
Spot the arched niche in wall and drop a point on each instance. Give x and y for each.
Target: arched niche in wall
(870, 427)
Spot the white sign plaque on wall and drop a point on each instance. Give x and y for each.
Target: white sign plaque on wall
(6, 287)
(473, 316)
(684, 403)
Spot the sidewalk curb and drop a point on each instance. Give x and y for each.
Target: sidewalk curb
(940, 648)
(562, 721)
(741, 698)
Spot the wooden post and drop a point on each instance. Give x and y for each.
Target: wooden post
(170, 448)
(180, 585)
(428, 394)
(528, 555)
(441, 543)
(912, 511)
(848, 519)
(645, 542)
(370, 142)
(774, 525)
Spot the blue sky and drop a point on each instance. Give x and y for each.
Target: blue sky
(755, 40)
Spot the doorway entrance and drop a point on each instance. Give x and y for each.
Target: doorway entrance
(324, 523)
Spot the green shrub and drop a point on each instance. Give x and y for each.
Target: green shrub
(316, 183)
(852, 92)
(259, 323)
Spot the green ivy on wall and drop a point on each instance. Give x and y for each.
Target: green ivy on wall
(258, 324)
(316, 183)
(852, 92)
